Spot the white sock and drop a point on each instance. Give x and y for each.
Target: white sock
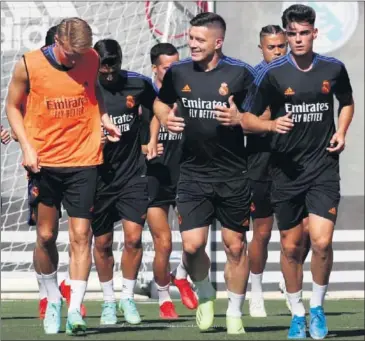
(318, 294)
(181, 272)
(127, 288)
(78, 289)
(67, 278)
(296, 303)
(235, 303)
(204, 289)
(41, 286)
(163, 294)
(108, 291)
(51, 285)
(256, 285)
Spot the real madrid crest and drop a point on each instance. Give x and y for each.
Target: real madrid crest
(223, 90)
(326, 87)
(130, 103)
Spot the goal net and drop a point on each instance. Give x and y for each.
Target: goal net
(137, 26)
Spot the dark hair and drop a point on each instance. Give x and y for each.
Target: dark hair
(208, 18)
(50, 36)
(162, 49)
(298, 13)
(270, 29)
(109, 51)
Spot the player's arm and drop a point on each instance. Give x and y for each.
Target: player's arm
(343, 93)
(18, 90)
(113, 130)
(152, 149)
(167, 97)
(259, 98)
(17, 93)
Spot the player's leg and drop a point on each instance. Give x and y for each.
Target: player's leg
(322, 203)
(48, 196)
(196, 213)
(65, 285)
(46, 260)
(306, 246)
(233, 211)
(262, 217)
(289, 216)
(179, 277)
(33, 192)
(157, 219)
(78, 202)
(162, 195)
(104, 263)
(130, 264)
(104, 216)
(132, 207)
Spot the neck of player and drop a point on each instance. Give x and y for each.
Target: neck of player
(211, 62)
(303, 62)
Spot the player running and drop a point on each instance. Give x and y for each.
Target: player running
(60, 140)
(213, 181)
(305, 161)
(273, 44)
(164, 153)
(122, 191)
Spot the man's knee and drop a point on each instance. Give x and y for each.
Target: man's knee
(235, 249)
(193, 248)
(133, 240)
(103, 243)
(163, 245)
(321, 246)
(262, 236)
(46, 235)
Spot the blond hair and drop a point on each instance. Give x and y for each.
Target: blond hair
(76, 33)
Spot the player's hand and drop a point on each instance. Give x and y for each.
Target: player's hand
(5, 136)
(337, 143)
(228, 116)
(282, 125)
(114, 132)
(174, 123)
(31, 160)
(154, 150)
(103, 137)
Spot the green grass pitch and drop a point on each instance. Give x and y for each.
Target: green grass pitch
(19, 321)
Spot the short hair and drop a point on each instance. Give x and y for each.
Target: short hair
(162, 49)
(298, 13)
(109, 51)
(207, 19)
(270, 29)
(76, 32)
(50, 36)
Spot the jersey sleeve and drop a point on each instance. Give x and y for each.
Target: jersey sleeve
(247, 78)
(343, 89)
(145, 118)
(148, 96)
(167, 92)
(260, 95)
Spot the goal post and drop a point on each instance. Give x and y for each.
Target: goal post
(137, 26)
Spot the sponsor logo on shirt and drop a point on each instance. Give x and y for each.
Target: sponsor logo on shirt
(199, 108)
(186, 88)
(289, 92)
(307, 112)
(122, 122)
(333, 211)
